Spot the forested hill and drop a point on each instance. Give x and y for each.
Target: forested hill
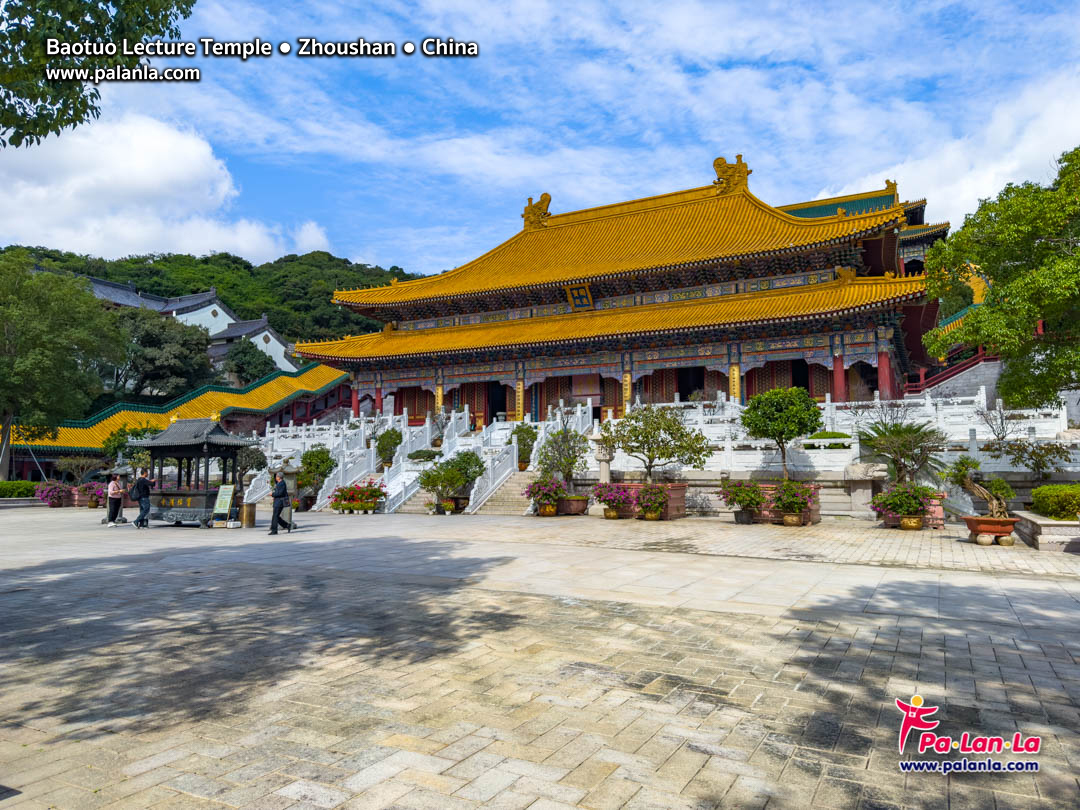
(294, 291)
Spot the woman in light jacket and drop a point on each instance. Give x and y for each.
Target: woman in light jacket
(116, 498)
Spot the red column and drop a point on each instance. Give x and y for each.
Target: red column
(884, 375)
(839, 379)
(355, 401)
(378, 400)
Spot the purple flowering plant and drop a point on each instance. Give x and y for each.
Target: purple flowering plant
(793, 497)
(613, 496)
(51, 492)
(746, 495)
(546, 489)
(93, 489)
(651, 498)
(903, 499)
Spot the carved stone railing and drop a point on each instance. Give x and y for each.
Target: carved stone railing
(500, 466)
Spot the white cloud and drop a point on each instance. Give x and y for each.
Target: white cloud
(1018, 140)
(132, 185)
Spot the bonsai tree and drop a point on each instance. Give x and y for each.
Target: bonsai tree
(526, 438)
(1041, 458)
(248, 459)
(442, 481)
(387, 445)
(909, 449)
(563, 451)
(315, 465)
(995, 491)
(781, 415)
(470, 465)
(657, 437)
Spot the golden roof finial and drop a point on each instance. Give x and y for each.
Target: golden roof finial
(174, 417)
(730, 177)
(841, 212)
(536, 214)
(216, 416)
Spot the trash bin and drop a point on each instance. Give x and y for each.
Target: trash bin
(247, 515)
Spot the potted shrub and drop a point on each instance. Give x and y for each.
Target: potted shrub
(616, 499)
(651, 500)
(964, 473)
(545, 493)
(369, 494)
(424, 455)
(781, 415)
(744, 498)
(387, 445)
(52, 493)
(904, 504)
(447, 507)
(442, 481)
(94, 491)
(526, 438)
(792, 499)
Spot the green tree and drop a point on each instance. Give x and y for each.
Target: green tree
(247, 459)
(781, 415)
(247, 363)
(908, 448)
(118, 441)
(657, 437)
(79, 466)
(563, 450)
(53, 332)
(32, 105)
(387, 444)
(315, 465)
(163, 355)
(1025, 244)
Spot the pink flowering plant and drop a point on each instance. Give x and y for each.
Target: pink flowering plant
(95, 490)
(652, 498)
(745, 495)
(51, 492)
(793, 497)
(613, 496)
(903, 499)
(546, 490)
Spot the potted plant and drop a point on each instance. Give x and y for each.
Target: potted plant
(447, 507)
(905, 504)
(744, 498)
(791, 499)
(442, 481)
(781, 415)
(651, 500)
(964, 473)
(545, 493)
(52, 493)
(368, 494)
(572, 505)
(387, 445)
(615, 498)
(94, 492)
(526, 438)
(430, 506)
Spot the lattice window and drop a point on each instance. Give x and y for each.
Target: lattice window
(820, 381)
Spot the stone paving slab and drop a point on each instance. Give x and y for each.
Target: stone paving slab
(222, 669)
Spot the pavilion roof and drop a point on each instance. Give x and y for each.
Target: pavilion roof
(745, 309)
(918, 231)
(680, 229)
(863, 202)
(189, 432)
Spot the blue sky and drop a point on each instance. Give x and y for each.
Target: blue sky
(426, 163)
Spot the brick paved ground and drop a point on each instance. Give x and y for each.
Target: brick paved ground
(177, 668)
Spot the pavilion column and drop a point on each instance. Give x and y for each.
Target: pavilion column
(885, 376)
(839, 379)
(438, 397)
(735, 382)
(355, 399)
(627, 392)
(206, 473)
(519, 399)
(378, 400)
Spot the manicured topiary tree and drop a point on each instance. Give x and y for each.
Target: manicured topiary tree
(387, 445)
(781, 415)
(657, 437)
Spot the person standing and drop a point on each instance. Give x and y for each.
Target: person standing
(116, 498)
(281, 500)
(140, 491)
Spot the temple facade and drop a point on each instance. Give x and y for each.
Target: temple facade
(684, 295)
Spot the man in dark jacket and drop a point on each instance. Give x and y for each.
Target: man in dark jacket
(281, 500)
(140, 491)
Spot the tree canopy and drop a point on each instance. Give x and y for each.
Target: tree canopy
(1026, 243)
(32, 105)
(656, 436)
(53, 333)
(162, 355)
(781, 415)
(248, 363)
(294, 291)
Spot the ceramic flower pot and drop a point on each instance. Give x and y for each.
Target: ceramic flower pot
(523, 466)
(988, 525)
(652, 514)
(611, 513)
(911, 523)
(92, 503)
(890, 521)
(793, 519)
(546, 510)
(744, 517)
(572, 506)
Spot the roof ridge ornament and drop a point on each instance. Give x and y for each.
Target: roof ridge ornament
(536, 214)
(730, 177)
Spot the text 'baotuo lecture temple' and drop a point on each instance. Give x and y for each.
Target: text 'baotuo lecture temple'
(684, 295)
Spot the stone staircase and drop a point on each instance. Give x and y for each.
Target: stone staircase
(507, 499)
(415, 504)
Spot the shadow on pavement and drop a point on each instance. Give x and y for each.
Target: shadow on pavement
(142, 641)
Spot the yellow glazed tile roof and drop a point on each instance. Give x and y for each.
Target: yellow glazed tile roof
(260, 396)
(745, 308)
(666, 231)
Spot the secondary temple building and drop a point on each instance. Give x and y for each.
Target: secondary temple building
(682, 295)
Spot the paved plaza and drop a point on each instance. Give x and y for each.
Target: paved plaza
(457, 662)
